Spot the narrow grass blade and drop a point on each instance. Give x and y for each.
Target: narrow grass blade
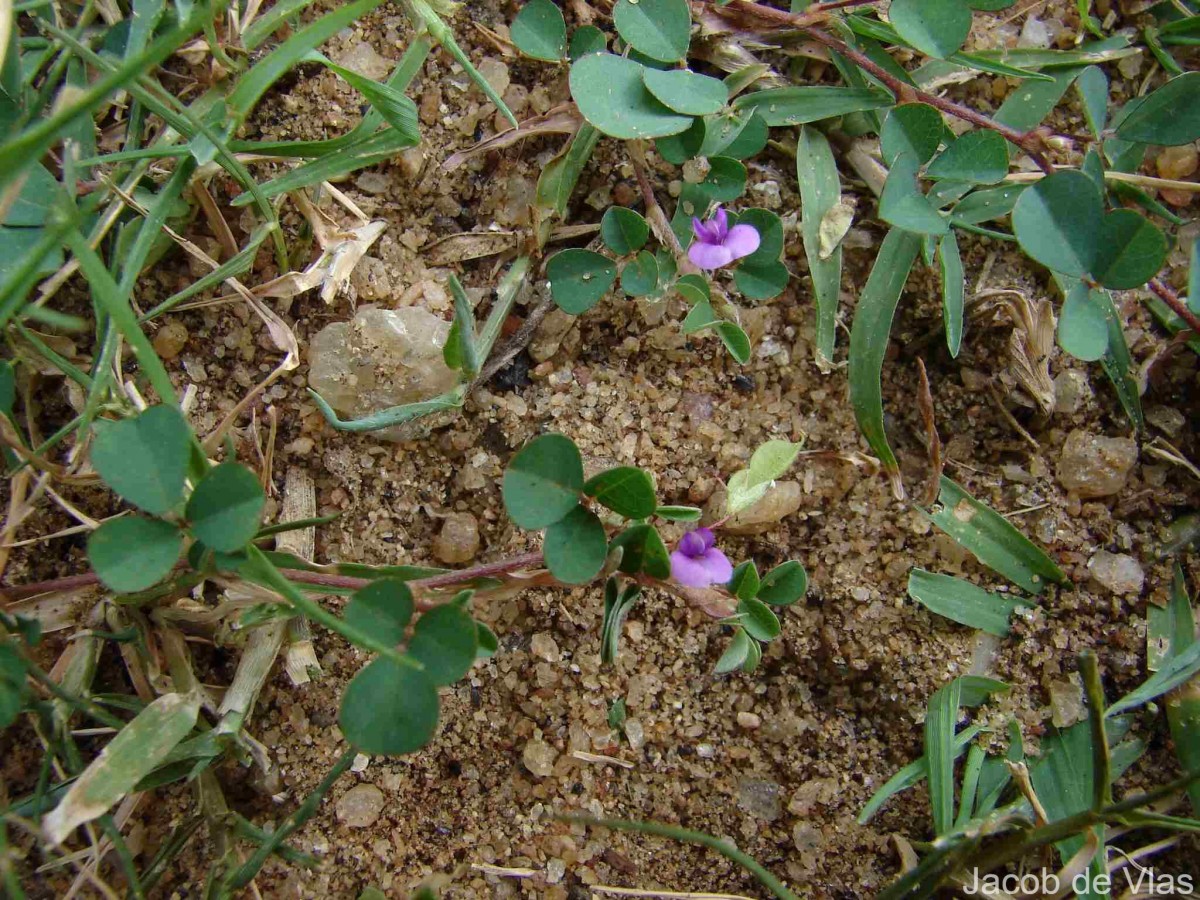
(1118, 365)
(460, 351)
(132, 754)
(993, 540)
(1176, 670)
(820, 190)
(953, 291)
(269, 69)
(963, 602)
(231, 268)
(940, 723)
(869, 339)
(912, 774)
(394, 415)
(969, 794)
(377, 148)
(268, 23)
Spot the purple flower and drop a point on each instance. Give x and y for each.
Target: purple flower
(717, 244)
(697, 563)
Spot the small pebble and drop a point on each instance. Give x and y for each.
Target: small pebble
(170, 340)
(748, 720)
(759, 797)
(458, 541)
(1092, 465)
(1119, 572)
(360, 806)
(635, 734)
(539, 758)
(543, 646)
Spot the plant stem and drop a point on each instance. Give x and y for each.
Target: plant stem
(1169, 297)
(1029, 141)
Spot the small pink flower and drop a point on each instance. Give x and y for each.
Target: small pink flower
(717, 244)
(697, 563)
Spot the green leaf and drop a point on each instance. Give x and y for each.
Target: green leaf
(1119, 367)
(144, 459)
(679, 148)
(745, 581)
(579, 278)
(639, 276)
(1083, 326)
(622, 230)
(801, 105)
(617, 604)
(543, 482)
(693, 288)
(459, 351)
(770, 233)
(679, 513)
(912, 128)
(735, 654)
(784, 584)
(133, 753)
(40, 192)
(1193, 294)
(610, 94)
(382, 608)
(686, 92)
(725, 181)
(980, 157)
(935, 27)
(1130, 252)
(540, 31)
(395, 108)
(769, 462)
(912, 774)
(13, 688)
(986, 204)
(941, 722)
(820, 191)
(626, 490)
(389, 709)
(701, 316)
(1176, 670)
(1092, 85)
(1170, 116)
(226, 508)
(758, 619)
(962, 601)
(576, 547)
(586, 39)
(133, 553)
(661, 29)
(445, 641)
(1059, 220)
(643, 550)
(993, 539)
(761, 281)
(953, 291)
(902, 204)
(735, 340)
(869, 338)
(487, 641)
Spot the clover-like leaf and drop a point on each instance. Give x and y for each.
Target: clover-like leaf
(784, 584)
(389, 708)
(576, 547)
(639, 276)
(611, 95)
(383, 609)
(623, 230)
(626, 490)
(543, 481)
(445, 641)
(661, 29)
(980, 157)
(225, 510)
(144, 459)
(935, 27)
(579, 278)
(540, 31)
(686, 92)
(1170, 116)
(133, 553)
(913, 128)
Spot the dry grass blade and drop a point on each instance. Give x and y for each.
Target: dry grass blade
(562, 119)
(933, 443)
(1031, 343)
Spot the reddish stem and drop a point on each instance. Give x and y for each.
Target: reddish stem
(1169, 297)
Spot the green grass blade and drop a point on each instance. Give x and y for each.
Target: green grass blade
(33, 142)
(377, 148)
(869, 339)
(269, 22)
(912, 774)
(820, 190)
(231, 268)
(940, 722)
(1175, 671)
(970, 786)
(963, 602)
(993, 539)
(256, 82)
(1118, 365)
